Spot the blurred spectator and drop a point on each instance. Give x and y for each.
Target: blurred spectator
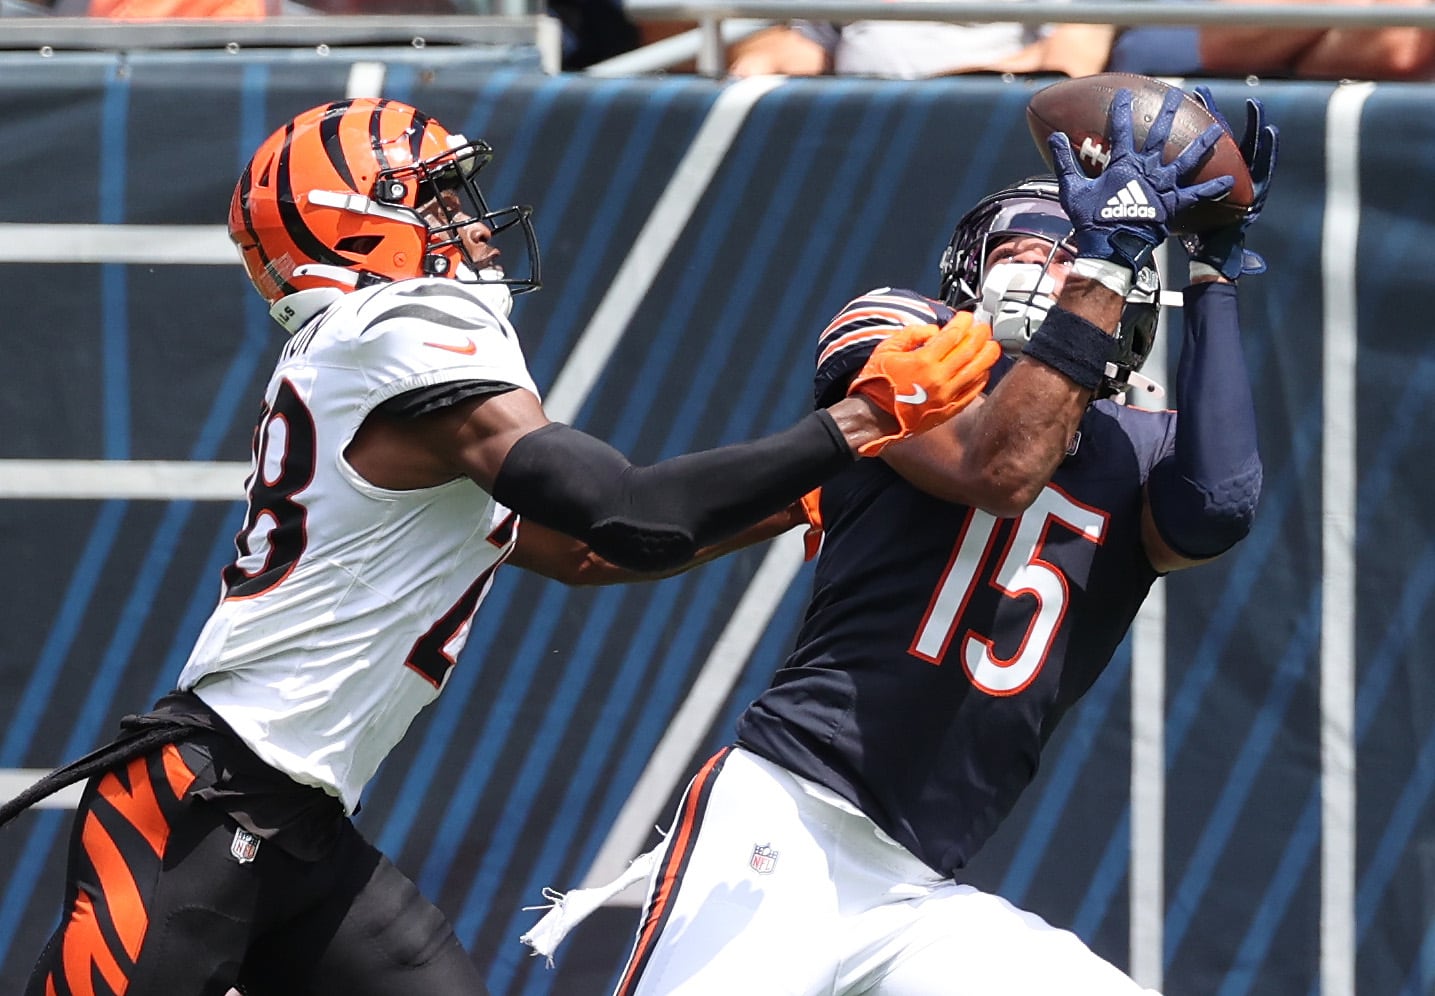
(148, 9)
(1320, 53)
(917, 49)
(1158, 50)
(389, 7)
(593, 30)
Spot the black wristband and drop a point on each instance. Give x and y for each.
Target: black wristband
(1073, 346)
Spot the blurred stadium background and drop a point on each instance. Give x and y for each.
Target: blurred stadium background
(1242, 805)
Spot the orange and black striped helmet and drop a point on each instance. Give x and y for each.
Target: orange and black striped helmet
(368, 190)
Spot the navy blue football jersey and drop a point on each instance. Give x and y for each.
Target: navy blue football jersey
(942, 644)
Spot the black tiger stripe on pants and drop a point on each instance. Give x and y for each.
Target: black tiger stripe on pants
(159, 903)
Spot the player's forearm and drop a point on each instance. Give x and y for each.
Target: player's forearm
(653, 519)
(1091, 300)
(573, 562)
(1027, 425)
(999, 455)
(1203, 496)
(1015, 441)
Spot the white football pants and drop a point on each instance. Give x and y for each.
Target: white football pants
(769, 885)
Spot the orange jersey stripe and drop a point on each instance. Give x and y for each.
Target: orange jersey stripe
(894, 316)
(852, 338)
(874, 319)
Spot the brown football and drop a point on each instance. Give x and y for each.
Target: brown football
(1081, 108)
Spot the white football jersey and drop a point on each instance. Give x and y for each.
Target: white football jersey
(348, 603)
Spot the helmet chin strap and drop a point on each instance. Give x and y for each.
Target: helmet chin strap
(1015, 300)
(1137, 381)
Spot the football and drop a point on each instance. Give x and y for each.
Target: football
(1081, 108)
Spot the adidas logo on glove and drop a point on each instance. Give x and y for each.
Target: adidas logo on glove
(1129, 202)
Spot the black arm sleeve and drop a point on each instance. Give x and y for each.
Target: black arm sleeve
(655, 518)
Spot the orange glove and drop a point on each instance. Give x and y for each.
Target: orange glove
(923, 376)
(811, 504)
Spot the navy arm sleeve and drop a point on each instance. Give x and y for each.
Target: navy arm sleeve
(656, 517)
(1203, 495)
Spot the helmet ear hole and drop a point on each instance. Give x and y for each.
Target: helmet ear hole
(359, 245)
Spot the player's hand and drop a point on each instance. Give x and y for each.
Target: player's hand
(1224, 249)
(1124, 213)
(923, 375)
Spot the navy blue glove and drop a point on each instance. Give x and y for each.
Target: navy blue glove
(1124, 213)
(1224, 249)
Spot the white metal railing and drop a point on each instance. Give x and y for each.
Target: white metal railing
(58, 34)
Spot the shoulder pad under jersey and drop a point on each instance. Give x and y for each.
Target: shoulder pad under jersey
(416, 333)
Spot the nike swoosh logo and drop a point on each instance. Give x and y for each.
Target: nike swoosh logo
(918, 395)
(467, 348)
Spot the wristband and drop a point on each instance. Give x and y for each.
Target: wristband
(1111, 275)
(1073, 346)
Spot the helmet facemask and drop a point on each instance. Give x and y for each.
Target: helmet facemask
(448, 203)
(1015, 297)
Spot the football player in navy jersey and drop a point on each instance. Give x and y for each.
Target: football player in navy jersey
(971, 586)
(401, 456)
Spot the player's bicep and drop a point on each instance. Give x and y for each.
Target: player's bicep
(475, 437)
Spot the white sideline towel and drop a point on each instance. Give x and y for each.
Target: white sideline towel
(568, 909)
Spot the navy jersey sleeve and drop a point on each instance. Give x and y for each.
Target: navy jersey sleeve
(1152, 434)
(847, 341)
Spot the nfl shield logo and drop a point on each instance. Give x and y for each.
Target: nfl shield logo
(244, 846)
(763, 860)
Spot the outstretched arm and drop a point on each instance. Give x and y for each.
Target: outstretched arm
(657, 518)
(561, 557)
(1201, 498)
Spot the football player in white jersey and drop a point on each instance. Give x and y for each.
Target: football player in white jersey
(400, 440)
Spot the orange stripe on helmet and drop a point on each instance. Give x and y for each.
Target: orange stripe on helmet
(302, 167)
(331, 145)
